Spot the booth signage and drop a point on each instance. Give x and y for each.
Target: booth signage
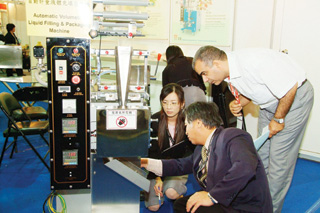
(56, 18)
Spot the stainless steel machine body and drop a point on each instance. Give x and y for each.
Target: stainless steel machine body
(10, 57)
(122, 135)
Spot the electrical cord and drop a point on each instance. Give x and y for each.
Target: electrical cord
(49, 201)
(44, 203)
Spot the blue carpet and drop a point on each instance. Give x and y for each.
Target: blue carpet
(24, 180)
(305, 187)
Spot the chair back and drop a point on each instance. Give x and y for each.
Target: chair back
(31, 94)
(9, 103)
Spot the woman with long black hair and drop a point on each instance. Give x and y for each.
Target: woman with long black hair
(170, 130)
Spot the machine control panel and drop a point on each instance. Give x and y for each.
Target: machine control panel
(69, 109)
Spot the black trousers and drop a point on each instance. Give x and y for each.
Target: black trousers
(180, 204)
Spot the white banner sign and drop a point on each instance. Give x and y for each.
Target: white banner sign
(59, 18)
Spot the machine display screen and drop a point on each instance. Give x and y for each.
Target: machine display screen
(70, 157)
(69, 126)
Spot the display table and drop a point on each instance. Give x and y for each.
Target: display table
(19, 79)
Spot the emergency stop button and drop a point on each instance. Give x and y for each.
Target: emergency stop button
(75, 79)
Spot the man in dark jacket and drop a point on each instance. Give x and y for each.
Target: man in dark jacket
(225, 164)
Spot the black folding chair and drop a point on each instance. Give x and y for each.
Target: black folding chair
(16, 128)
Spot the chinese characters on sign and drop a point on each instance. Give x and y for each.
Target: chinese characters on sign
(121, 119)
(59, 18)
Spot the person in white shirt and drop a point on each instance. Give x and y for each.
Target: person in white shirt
(279, 86)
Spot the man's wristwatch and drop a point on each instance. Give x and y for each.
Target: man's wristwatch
(212, 199)
(278, 120)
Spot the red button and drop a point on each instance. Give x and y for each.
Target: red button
(107, 52)
(75, 50)
(130, 34)
(138, 88)
(105, 87)
(75, 79)
(140, 53)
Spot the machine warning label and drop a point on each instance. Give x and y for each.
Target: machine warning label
(122, 122)
(121, 119)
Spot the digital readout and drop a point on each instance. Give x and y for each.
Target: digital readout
(69, 126)
(70, 157)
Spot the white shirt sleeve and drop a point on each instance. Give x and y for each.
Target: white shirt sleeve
(155, 166)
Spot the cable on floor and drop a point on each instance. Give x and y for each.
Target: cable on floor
(49, 203)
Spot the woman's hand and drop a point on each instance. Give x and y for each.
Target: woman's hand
(159, 186)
